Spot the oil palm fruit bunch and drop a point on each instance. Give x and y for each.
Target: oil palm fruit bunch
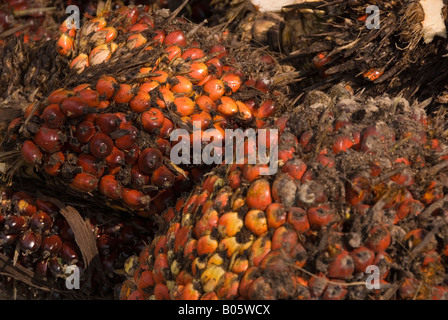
(359, 183)
(34, 234)
(355, 41)
(106, 130)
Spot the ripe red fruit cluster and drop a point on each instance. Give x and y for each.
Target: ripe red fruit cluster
(112, 136)
(311, 230)
(45, 243)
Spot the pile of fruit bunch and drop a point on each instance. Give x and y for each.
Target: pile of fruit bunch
(360, 183)
(35, 235)
(137, 76)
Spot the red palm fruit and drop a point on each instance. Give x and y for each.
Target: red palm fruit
(115, 158)
(378, 239)
(89, 96)
(149, 160)
(206, 245)
(49, 140)
(341, 266)
(197, 72)
(68, 253)
(334, 292)
(160, 36)
(41, 269)
(162, 177)
(228, 286)
(141, 102)
(298, 219)
(229, 224)
(30, 241)
(203, 118)
(135, 41)
(51, 245)
(85, 131)
(226, 106)
(106, 87)
(110, 187)
(193, 54)
(176, 37)
(215, 66)
(214, 88)
(219, 48)
(161, 267)
(65, 44)
(184, 106)
(256, 222)
(249, 276)
(101, 145)
(108, 122)
(53, 163)
(124, 93)
(84, 182)
(205, 103)
(15, 224)
(145, 279)
(234, 179)
(152, 119)
(252, 172)
(284, 238)
(259, 195)
(25, 208)
(276, 215)
(232, 81)
(14, 127)
(317, 285)
(162, 77)
(164, 146)
(59, 95)
(31, 153)
(207, 222)
(74, 107)
(166, 97)
(53, 116)
(362, 257)
(295, 168)
(103, 105)
(173, 52)
(127, 140)
(320, 216)
(161, 292)
(149, 86)
(90, 164)
(138, 27)
(55, 267)
(135, 199)
(267, 109)
(244, 112)
(47, 206)
(325, 160)
(342, 143)
(264, 85)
